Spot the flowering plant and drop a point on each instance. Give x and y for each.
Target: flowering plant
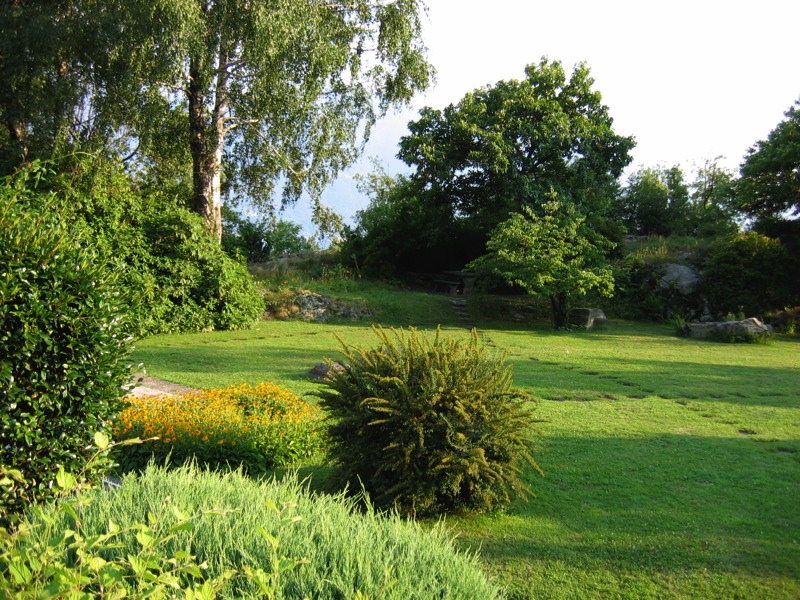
(256, 427)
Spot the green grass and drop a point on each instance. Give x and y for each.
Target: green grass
(672, 466)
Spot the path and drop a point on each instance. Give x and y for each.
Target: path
(150, 386)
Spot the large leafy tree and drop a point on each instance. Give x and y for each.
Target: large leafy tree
(254, 93)
(655, 201)
(554, 254)
(505, 147)
(770, 175)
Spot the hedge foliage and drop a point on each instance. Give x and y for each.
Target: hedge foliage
(176, 276)
(63, 342)
(429, 425)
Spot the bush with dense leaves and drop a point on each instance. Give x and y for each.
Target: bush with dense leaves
(177, 276)
(748, 273)
(63, 343)
(429, 425)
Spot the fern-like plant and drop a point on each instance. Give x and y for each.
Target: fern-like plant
(429, 425)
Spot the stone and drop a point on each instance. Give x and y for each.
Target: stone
(730, 331)
(321, 370)
(587, 317)
(682, 278)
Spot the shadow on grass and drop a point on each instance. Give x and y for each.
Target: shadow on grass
(653, 507)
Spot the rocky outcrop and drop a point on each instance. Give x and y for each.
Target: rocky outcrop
(747, 330)
(587, 317)
(681, 277)
(311, 306)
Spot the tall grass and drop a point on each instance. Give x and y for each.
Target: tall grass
(343, 551)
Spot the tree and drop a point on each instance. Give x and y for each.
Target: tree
(505, 147)
(655, 201)
(713, 199)
(262, 239)
(287, 87)
(770, 174)
(556, 254)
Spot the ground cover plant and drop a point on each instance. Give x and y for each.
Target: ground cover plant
(672, 465)
(255, 428)
(203, 533)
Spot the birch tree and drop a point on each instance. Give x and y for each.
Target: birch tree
(269, 94)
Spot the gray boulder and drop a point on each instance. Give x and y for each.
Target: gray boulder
(730, 331)
(681, 277)
(587, 317)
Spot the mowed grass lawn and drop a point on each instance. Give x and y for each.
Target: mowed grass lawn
(672, 467)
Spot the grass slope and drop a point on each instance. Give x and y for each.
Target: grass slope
(672, 466)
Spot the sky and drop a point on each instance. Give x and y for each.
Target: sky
(689, 80)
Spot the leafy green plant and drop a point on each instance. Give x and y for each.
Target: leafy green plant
(176, 277)
(747, 273)
(63, 343)
(253, 427)
(42, 558)
(429, 425)
(193, 533)
(680, 325)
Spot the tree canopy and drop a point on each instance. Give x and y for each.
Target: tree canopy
(501, 149)
(288, 87)
(770, 175)
(555, 254)
(504, 147)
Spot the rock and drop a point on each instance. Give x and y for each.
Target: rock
(587, 317)
(682, 278)
(321, 370)
(730, 331)
(310, 306)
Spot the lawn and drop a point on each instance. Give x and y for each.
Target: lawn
(672, 467)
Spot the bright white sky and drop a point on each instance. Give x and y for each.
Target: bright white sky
(689, 79)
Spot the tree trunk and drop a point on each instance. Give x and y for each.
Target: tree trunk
(206, 149)
(558, 303)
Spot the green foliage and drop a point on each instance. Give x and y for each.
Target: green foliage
(63, 342)
(404, 229)
(786, 321)
(655, 202)
(429, 426)
(555, 255)
(747, 273)
(203, 533)
(256, 428)
(294, 90)
(639, 291)
(176, 277)
(41, 558)
(770, 178)
(259, 241)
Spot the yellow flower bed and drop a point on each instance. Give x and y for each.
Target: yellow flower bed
(258, 427)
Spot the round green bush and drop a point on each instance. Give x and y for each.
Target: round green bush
(62, 344)
(319, 546)
(429, 426)
(748, 273)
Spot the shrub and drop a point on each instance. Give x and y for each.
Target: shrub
(177, 276)
(63, 345)
(161, 526)
(747, 273)
(786, 321)
(429, 426)
(253, 427)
